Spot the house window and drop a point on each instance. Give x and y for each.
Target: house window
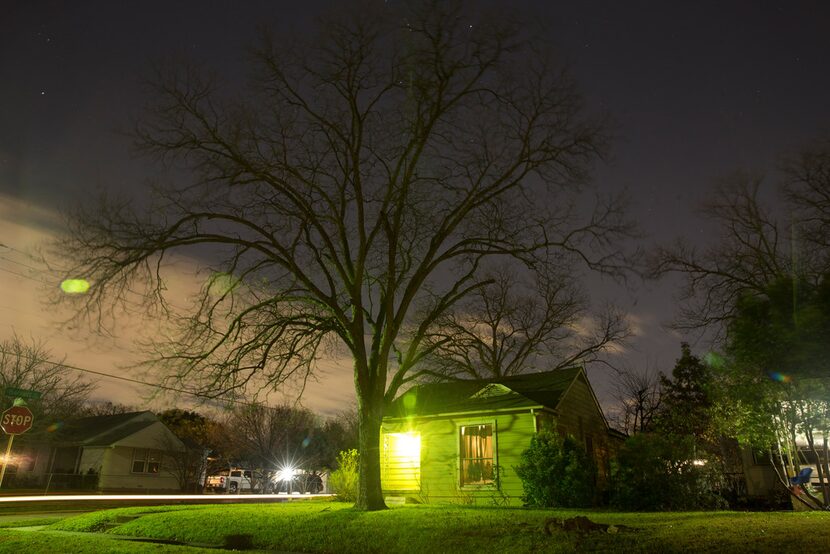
(476, 453)
(146, 460)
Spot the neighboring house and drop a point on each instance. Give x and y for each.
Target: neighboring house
(123, 452)
(460, 441)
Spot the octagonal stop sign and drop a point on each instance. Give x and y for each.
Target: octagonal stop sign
(16, 420)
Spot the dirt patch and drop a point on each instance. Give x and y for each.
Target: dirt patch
(581, 524)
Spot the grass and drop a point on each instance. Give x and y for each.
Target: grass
(30, 522)
(329, 527)
(38, 542)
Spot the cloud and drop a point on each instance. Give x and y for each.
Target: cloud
(26, 310)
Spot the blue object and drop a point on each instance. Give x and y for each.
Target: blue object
(803, 476)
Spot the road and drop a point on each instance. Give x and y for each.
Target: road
(19, 507)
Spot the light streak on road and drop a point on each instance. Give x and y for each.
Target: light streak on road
(156, 497)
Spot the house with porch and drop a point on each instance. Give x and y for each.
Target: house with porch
(460, 441)
(128, 452)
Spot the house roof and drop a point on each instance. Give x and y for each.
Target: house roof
(528, 390)
(105, 430)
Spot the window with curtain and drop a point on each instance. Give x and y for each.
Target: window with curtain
(477, 462)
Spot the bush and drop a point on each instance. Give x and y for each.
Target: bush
(557, 472)
(343, 480)
(657, 472)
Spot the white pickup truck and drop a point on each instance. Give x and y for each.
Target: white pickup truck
(232, 481)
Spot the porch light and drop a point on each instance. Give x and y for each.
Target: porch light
(407, 445)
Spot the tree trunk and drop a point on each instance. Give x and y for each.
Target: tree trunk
(369, 493)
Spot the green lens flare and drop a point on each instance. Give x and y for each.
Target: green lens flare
(222, 283)
(75, 286)
(410, 401)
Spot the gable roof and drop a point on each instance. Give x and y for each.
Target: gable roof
(544, 389)
(105, 430)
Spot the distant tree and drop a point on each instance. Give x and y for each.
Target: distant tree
(638, 396)
(510, 326)
(29, 365)
(781, 340)
(105, 408)
(350, 195)
(686, 403)
(201, 438)
(764, 301)
(275, 437)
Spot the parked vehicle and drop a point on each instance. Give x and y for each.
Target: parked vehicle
(232, 481)
(297, 481)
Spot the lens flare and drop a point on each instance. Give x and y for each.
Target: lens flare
(54, 427)
(410, 400)
(780, 377)
(74, 286)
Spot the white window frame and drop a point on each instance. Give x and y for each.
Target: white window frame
(151, 456)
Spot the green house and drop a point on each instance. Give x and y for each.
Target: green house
(460, 441)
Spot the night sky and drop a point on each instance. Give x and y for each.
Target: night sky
(695, 92)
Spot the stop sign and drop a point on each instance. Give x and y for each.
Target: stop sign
(16, 420)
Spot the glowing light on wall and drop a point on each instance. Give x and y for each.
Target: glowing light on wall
(407, 445)
(75, 286)
(401, 463)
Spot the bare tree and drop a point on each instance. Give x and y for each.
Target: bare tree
(763, 297)
(751, 252)
(106, 408)
(807, 189)
(29, 366)
(368, 171)
(188, 454)
(509, 326)
(274, 437)
(638, 395)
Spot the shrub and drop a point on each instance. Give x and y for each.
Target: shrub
(657, 472)
(343, 480)
(557, 472)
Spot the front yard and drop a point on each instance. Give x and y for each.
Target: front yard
(330, 527)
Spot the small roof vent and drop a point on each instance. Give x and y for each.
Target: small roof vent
(493, 389)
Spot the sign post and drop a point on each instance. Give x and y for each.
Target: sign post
(14, 421)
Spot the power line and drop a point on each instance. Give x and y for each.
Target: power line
(127, 379)
(27, 266)
(25, 276)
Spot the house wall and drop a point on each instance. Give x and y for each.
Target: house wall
(761, 480)
(92, 458)
(578, 416)
(440, 471)
(117, 475)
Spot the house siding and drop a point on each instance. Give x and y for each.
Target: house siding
(439, 469)
(578, 416)
(117, 475)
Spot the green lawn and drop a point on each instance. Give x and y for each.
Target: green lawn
(334, 527)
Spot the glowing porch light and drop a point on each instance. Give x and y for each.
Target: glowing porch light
(406, 445)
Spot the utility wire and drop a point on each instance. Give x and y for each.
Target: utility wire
(127, 379)
(27, 266)
(25, 276)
